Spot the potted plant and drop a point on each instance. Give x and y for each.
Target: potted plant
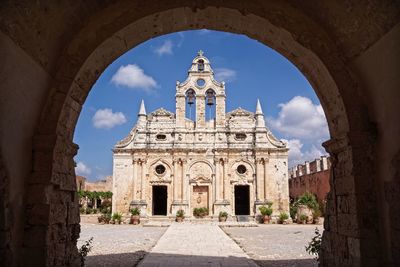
(200, 212)
(266, 212)
(223, 215)
(303, 218)
(180, 215)
(283, 217)
(135, 216)
(116, 218)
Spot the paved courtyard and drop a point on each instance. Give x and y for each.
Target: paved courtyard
(276, 244)
(189, 244)
(118, 245)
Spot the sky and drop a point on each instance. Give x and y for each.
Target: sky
(150, 70)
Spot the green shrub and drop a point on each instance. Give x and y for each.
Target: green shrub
(84, 250)
(117, 217)
(223, 214)
(200, 212)
(94, 211)
(135, 211)
(266, 210)
(303, 217)
(104, 218)
(82, 210)
(308, 199)
(89, 210)
(293, 211)
(283, 216)
(314, 247)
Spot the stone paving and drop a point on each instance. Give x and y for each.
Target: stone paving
(275, 244)
(118, 245)
(186, 244)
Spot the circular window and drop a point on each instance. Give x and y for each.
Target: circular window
(160, 169)
(241, 169)
(200, 82)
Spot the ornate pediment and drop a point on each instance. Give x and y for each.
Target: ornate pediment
(200, 180)
(239, 112)
(124, 142)
(162, 112)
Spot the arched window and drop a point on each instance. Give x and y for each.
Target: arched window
(190, 103)
(210, 102)
(200, 65)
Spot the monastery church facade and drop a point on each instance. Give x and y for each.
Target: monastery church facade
(231, 162)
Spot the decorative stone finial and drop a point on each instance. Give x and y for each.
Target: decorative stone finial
(258, 107)
(142, 110)
(200, 53)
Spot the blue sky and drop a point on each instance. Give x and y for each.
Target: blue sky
(149, 71)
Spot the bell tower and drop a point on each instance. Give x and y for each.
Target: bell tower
(201, 90)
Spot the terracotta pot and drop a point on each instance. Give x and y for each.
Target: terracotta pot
(266, 219)
(222, 219)
(179, 219)
(135, 219)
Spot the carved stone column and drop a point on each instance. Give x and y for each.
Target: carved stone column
(216, 181)
(135, 163)
(175, 182)
(184, 184)
(259, 178)
(266, 194)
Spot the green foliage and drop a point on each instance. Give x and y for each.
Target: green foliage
(293, 211)
(316, 214)
(92, 195)
(223, 214)
(283, 216)
(117, 217)
(266, 210)
(314, 247)
(84, 250)
(94, 211)
(89, 210)
(308, 199)
(82, 210)
(180, 214)
(303, 217)
(104, 218)
(135, 211)
(200, 212)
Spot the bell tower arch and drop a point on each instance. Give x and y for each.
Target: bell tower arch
(200, 88)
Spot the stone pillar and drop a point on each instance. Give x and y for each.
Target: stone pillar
(220, 110)
(222, 178)
(266, 194)
(217, 181)
(185, 183)
(259, 178)
(324, 163)
(135, 167)
(200, 111)
(180, 110)
(175, 182)
(318, 165)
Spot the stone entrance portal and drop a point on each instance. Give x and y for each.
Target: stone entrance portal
(242, 200)
(199, 197)
(160, 197)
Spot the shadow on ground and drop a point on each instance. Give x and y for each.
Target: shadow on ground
(159, 260)
(120, 259)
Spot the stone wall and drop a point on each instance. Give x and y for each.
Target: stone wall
(310, 177)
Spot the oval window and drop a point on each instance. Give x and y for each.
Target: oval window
(200, 82)
(241, 169)
(160, 169)
(161, 137)
(240, 136)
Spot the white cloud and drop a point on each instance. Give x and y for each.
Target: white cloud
(300, 118)
(82, 169)
(165, 48)
(297, 156)
(133, 76)
(107, 119)
(224, 74)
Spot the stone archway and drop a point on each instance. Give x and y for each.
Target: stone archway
(294, 31)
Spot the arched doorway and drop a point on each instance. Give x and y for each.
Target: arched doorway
(111, 30)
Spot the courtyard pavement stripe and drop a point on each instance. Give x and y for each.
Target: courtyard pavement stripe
(194, 245)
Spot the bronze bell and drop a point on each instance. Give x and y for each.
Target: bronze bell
(210, 98)
(190, 97)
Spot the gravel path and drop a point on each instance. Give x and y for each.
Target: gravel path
(276, 245)
(118, 245)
